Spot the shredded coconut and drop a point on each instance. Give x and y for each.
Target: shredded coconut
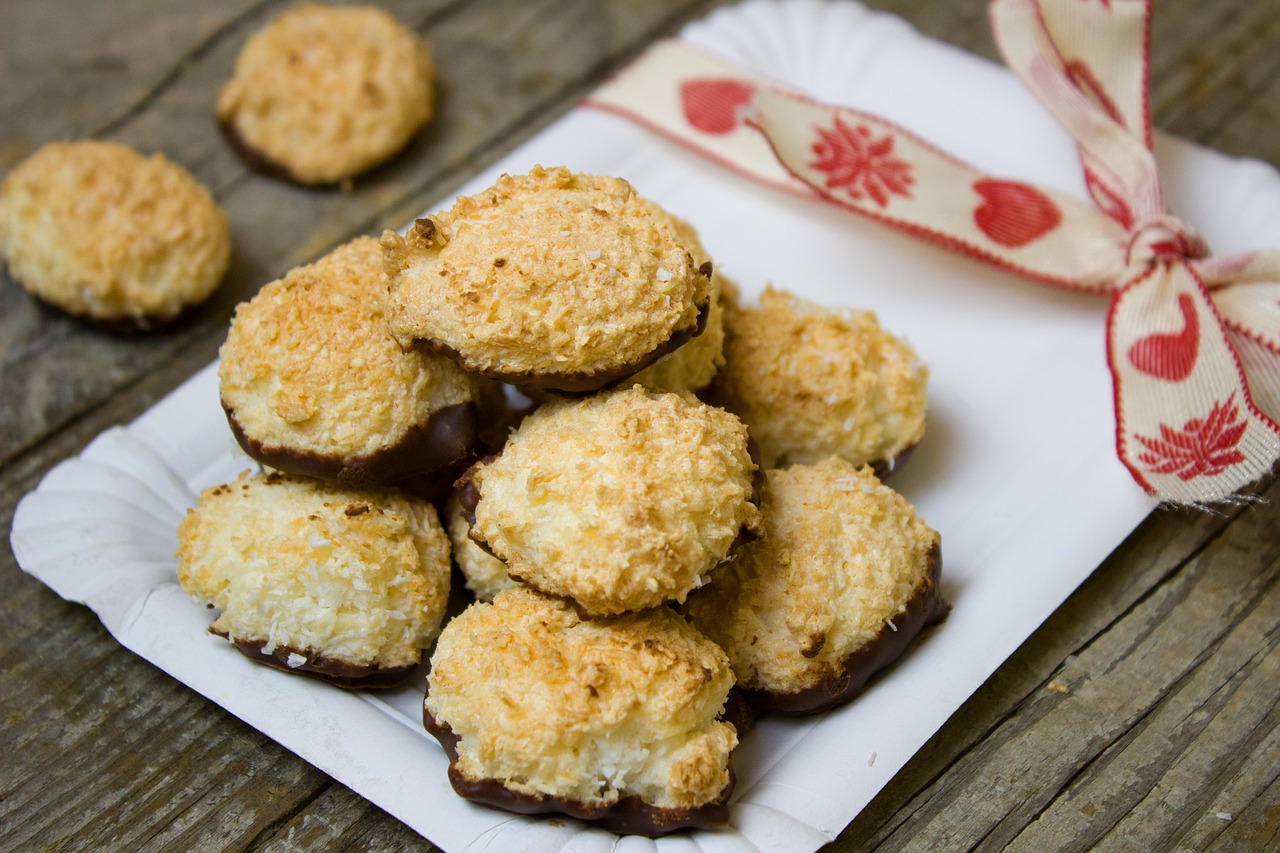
(295, 660)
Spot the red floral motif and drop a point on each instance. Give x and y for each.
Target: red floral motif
(1204, 447)
(861, 164)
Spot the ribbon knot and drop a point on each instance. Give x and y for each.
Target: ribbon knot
(1163, 238)
(1193, 342)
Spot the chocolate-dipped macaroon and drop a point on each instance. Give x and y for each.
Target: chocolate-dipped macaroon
(343, 585)
(313, 383)
(549, 280)
(620, 501)
(843, 578)
(614, 721)
(813, 382)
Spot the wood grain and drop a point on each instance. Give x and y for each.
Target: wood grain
(1141, 716)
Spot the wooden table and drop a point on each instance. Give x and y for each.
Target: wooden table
(1141, 716)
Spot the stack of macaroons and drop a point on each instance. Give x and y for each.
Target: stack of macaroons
(618, 495)
(554, 340)
(313, 383)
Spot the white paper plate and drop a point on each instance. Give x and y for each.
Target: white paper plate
(1017, 471)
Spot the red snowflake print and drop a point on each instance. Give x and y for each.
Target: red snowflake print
(860, 164)
(1204, 447)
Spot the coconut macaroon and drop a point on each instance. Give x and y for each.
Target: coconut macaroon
(549, 280)
(621, 501)
(107, 235)
(844, 577)
(812, 382)
(609, 720)
(313, 382)
(323, 93)
(348, 586)
(484, 574)
(693, 366)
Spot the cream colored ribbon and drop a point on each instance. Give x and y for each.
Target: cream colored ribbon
(1193, 341)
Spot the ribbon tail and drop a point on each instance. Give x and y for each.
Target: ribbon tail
(1087, 64)
(1246, 293)
(1188, 426)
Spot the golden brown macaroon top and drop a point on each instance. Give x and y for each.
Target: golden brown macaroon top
(589, 711)
(100, 231)
(310, 366)
(546, 279)
(812, 382)
(324, 93)
(621, 501)
(360, 577)
(840, 557)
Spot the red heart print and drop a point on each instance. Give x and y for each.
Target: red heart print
(1170, 355)
(711, 105)
(1014, 214)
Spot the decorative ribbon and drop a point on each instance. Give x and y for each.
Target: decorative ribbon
(1193, 341)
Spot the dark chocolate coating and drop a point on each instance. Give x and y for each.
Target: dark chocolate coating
(255, 159)
(925, 607)
(629, 815)
(434, 487)
(335, 672)
(884, 467)
(447, 437)
(579, 384)
(739, 712)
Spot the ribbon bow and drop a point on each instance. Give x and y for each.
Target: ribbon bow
(1193, 341)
